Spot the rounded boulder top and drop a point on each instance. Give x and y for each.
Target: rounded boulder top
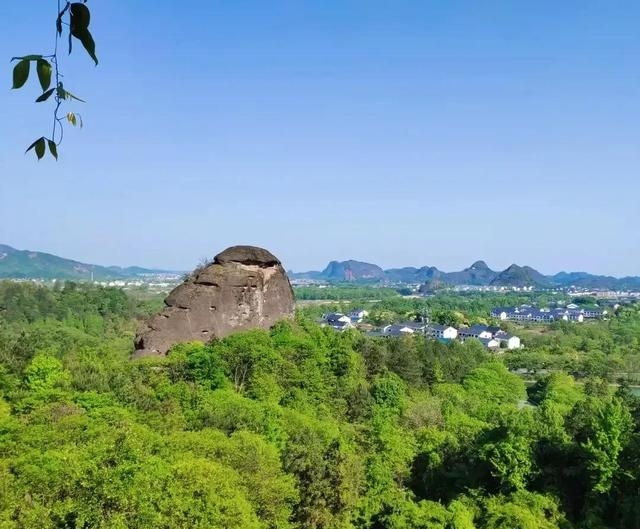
(247, 255)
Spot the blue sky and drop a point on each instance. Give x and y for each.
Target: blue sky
(400, 133)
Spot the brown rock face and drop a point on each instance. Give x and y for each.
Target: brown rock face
(243, 288)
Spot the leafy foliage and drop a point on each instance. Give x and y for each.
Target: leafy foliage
(296, 427)
(47, 67)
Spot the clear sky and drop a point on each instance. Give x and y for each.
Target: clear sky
(400, 133)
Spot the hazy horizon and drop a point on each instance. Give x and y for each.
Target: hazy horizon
(402, 134)
(321, 267)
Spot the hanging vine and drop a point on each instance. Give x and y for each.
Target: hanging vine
(76, 17)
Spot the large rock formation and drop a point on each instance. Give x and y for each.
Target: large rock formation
(243, 288)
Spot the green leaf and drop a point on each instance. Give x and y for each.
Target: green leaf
(53, 148)
(80, 17)
(45, 96)
(39, 146)
(44, 74)
(84, 36)
(32, 145)
(89, 45)
(27, 58)
(21, 73)
(79, 28)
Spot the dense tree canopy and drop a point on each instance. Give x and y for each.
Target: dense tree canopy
(297, 427)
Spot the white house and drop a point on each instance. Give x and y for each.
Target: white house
(443, 331)
(490, 343)
(342, 325)
(358, 315)
(475, 331)
(397, 330)
(415, 326)
(502, 313)
(594, 313)
(512, 342)
(334, 317)
(523, 313)
(572, 316)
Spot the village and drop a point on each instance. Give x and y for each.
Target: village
(491, 336)
(528, 313)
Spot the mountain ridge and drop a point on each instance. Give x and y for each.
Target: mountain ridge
(28, 264)
(478, 274)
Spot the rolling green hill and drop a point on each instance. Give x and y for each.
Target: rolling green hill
(26, 264)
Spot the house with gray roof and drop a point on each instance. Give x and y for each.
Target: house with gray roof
(475, 331)
(442, 331)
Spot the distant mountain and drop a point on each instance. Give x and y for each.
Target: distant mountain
(352, 271)
(574, 277)
(520, 276)
(137, 271)
(586, 280)
(414, 275)
(26, 264)
(478, 274)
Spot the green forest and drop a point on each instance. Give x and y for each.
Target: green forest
(608, 349)
(301, 427)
